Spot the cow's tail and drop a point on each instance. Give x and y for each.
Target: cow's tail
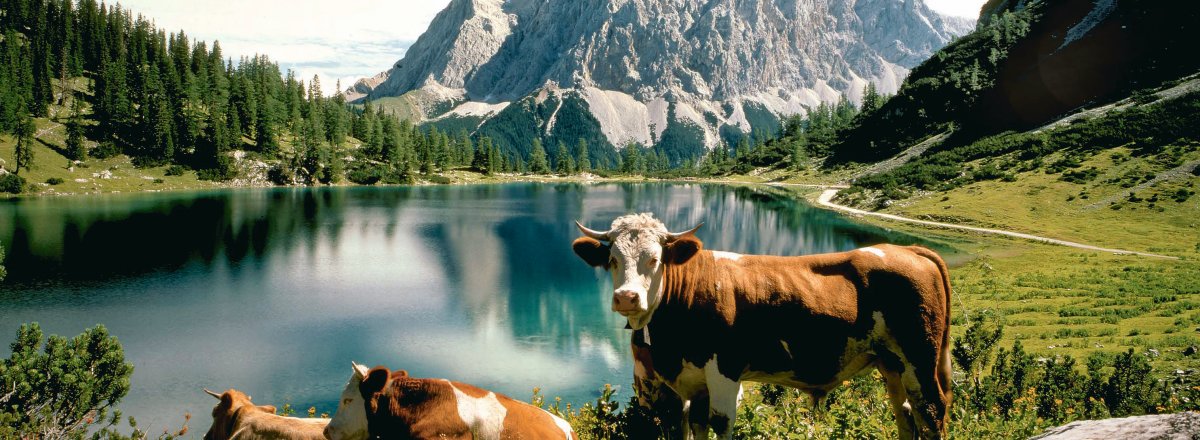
(944, 369)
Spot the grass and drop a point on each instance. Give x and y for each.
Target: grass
(90, 176)
(1042, 203)
(1068, 301)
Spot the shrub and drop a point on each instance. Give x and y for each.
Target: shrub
(12, 183)
(174, 170)
(105, 150)
(365, 174)
(54, 181)
(973, 350)
(60, 388)
(1131, 390)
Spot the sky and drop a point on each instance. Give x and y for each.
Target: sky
(334, 40)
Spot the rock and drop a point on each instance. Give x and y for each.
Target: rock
(1185, 425)
(718, 62)
(1152, 352)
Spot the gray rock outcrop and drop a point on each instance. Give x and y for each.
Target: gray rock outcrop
(1181, 426)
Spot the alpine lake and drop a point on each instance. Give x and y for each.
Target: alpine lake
(275, 291)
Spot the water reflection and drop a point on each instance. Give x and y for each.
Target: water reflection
(276, 290)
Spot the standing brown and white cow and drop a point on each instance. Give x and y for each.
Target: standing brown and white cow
(379, 403)
(710, 320)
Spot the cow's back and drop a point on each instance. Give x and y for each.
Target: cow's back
(262, 426)
(521, 420)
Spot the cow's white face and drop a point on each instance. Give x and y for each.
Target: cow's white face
(635, 258)
(635, 262)
(350, 420)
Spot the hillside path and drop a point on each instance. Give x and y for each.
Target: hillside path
(826, 198)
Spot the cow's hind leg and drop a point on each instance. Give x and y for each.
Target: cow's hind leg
(898, 398)
(928, 404)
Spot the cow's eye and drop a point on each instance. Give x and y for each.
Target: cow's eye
(653, 261)
(346, 401)
(612, 261)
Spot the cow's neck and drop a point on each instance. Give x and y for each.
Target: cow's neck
(684, 284)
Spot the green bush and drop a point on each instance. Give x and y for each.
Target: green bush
(175, 170)
(365, 174)
(105, 150)
(1019, 396)
(66, 388)
(12, 183)
(54, 181)
(61, 388)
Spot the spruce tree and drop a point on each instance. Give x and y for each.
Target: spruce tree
(23, 154)
(493, 158)
(871, 99)
(264, 137)
(75, 148)
(584, 163)
(537, 158)
(481, 162)
(565, 165)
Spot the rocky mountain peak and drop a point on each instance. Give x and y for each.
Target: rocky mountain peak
(707, 58)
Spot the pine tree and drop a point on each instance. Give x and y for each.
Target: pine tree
(564, 164)
(465, 151)
(632, 163)
(537, 158)
(493, 158)
(264, 138)
(871, 100)
(75, 148)
(584, 162)
(481, 162)
(23, 155)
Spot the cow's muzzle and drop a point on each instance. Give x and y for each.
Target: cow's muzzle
(626, 302)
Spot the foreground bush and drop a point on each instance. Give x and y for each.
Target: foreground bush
(1019, 396)
(65, 388)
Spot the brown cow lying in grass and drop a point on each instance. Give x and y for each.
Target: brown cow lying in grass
(237, 418)
(382, 404)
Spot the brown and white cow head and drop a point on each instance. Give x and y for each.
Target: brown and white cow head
(637, 250)
(350, 420)
(225, 413)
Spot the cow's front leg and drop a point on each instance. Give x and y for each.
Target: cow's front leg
(724, 393)
(659, 414)
(695, 417)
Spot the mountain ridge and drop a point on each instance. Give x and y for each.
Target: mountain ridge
(642, 66)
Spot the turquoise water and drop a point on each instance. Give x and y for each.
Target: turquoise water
(276, 291)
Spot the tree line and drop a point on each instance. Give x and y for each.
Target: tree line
(114, 78)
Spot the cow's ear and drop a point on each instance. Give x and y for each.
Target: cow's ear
(682, 249)
(592, 251)
(400, 373)
(269, 409)
(374, 382)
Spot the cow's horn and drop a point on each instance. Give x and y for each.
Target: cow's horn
(602, 236)
(215, 395)
(677, 235)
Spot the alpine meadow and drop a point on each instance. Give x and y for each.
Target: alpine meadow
(600, 219)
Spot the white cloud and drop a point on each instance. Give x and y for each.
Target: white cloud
(346, 40)
(959, 8)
